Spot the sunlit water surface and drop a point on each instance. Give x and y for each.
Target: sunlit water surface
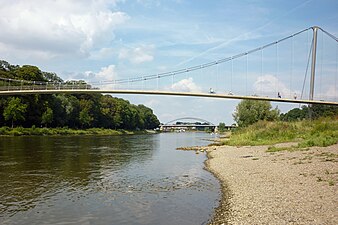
(137, 179)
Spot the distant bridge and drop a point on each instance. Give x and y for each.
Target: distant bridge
(200, 124)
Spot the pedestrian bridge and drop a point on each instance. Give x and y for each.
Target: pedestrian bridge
(48, 90)
(258, 74)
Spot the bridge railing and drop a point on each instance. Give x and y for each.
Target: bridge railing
(47, 87)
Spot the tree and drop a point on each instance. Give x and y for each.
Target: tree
(250, 111)
(15, 110)
(147, 117)
(221, 127)
(27, 72)
(303, 113)
(71, 110)
(324, 110)
(295, 114)
(47, 117)
(86, 117)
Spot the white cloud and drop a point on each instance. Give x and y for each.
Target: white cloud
(269, 85)
(103, 53)
(138, 55)
(185, 85)
(107, 73)
(58, 27)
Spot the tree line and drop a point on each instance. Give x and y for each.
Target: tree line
(250, 111)
(68, 110)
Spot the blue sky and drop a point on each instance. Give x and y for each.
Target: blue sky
(106, 40)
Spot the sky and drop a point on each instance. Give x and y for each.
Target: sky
(100, 40)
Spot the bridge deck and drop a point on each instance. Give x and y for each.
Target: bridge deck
(168, 93)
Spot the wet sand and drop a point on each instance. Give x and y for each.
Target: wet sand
(299, 187)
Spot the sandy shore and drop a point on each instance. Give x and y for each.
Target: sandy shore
(299, 187)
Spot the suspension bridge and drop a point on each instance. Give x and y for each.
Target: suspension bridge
(300, 68)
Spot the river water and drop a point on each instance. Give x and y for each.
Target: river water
(132, 179)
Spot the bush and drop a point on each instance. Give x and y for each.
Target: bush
(321, 132)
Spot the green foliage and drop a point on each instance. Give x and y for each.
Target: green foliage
(221, 127)
(71, 110)
(85, 118)
(324, 132)
(276, 149)
(320, 132)
(14, 110)
(51, 77)
(250, 111)
(47, 116)
(303, 113)
(28, 72)
(295, 114)
(19, 131)
(207, 129)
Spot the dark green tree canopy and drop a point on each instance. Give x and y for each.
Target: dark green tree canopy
(303, 112)
(250, 111)
(27, 72)
(71, 110)
(14, 110)
(221, 127)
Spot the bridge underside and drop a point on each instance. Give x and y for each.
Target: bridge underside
(167, 93)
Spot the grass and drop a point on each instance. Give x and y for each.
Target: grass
(321, 132)
(20, 131)
(278, 149)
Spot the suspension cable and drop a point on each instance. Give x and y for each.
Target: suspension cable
(321, 67)
(217, 76)
(201, 66)
(277, 68)
(246, 74)
(292, 59)
(330, 35)
(260, 85)
(307, 68)
(232, 71)
(197, 67)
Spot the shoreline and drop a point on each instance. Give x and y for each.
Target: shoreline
(43, 131)
(285, 187)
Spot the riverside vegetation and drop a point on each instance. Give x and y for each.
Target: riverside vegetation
(66, 113)
(259, 124)
(20, 131)
(272, 170)
(320, 132)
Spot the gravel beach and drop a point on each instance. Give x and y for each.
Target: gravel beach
(285, 187)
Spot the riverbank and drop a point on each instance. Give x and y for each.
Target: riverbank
(20, 131)
(261, 186)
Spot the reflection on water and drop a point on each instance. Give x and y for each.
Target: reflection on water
(138, 179)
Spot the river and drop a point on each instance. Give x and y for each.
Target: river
(129, 179)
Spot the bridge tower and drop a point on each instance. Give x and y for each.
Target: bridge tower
(313, 64)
